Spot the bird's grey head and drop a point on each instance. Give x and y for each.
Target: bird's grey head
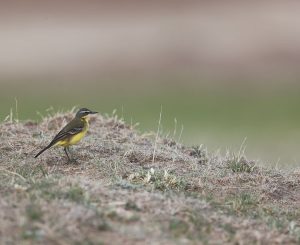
(84, 112)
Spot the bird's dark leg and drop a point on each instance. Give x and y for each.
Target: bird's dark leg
(70, 158)
(65, 149)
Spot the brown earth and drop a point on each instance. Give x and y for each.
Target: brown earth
(117, 192)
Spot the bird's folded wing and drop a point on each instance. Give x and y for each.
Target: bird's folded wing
(64, 134)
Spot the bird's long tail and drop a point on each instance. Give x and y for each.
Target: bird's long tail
(46, 148)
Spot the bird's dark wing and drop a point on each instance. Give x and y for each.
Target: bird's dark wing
(74, 127)
(63, 135)
(66, 134)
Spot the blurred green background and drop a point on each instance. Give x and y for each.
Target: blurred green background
(218, 118)
(221, 72)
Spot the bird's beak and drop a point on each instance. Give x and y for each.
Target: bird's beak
(93, 112)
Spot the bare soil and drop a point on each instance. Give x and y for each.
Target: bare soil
(117, 192)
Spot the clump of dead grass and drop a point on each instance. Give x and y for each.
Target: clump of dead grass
(158, 180)
(240, 164)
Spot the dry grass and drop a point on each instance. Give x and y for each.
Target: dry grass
(116, 192)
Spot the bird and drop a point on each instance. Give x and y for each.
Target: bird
(72, 133)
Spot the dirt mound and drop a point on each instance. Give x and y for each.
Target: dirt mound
(130, 188)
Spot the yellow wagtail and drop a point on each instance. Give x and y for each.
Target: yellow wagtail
(72, 133)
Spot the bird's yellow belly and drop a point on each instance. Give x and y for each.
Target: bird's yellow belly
(76, 138)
